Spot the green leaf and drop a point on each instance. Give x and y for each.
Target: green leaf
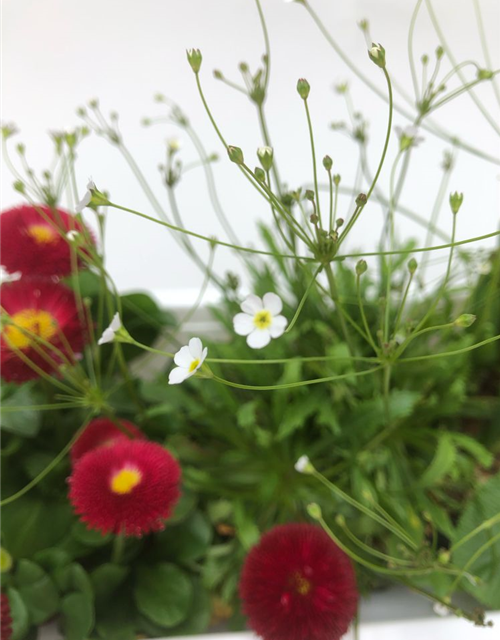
(116, 621)
(90, 537)
(19, 614)
(199, 615)
(484, 457)
(77, 616)
(246, 529)
(442, 463)
(73, 577)
(183, 542)
(483, 506)
(37, 591)
(25, 422)
(163, 593)
(296, 415)
(106, 579)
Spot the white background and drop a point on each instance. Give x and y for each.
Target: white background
(57, 54)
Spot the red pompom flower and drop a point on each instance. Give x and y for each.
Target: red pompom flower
(34, 311)
(6, 623)
(129, 487)
(297, 584)
(102, 432)
(36, 244)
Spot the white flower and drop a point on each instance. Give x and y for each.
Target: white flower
(261, 320)
(72, 235)
(408, 137)
(174, 145)
(109, 333)
(85, 201)
(188, 360)
(303, 465)
(441, 609)
(5, 276)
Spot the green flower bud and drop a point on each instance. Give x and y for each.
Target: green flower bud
(439, 52)
(235, 154)
(340, 519)
(5, 560)
(218, 74)
(336, 179)
(194, 58)
(260, 174)
(485, 74)
(303, 88)
(425, 59)
(19, 186)
(465, 320)
(327, 163)
(377, 54)
(361, 267)
(456, 200)
(339, 222)
(361, 200)
(313, 218)
(243, 67)
(309, 195)
(412, 265)
(364, 25)
(265, 155)
(314, 510)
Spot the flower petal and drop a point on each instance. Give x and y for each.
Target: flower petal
(196, 348)
(178, 375)
(84, 202)
(203, 356)
(252, 304)
(243, 324)
(116, 323)
(278, 326)
(108, 335)
(273, 303)
(183, 357)
(259, 338)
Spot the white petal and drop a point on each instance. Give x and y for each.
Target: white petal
(252, 304)
(243, 324)
(183, 358)
(272, 303)
(259, 338)
(278, 326)
(116, 323)
(178, 375)
(83, 202)
(196, 348)
(301, 464)
(107, 336)
(203, 356)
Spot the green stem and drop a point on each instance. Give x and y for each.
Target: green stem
(313, 152)
(304, 298)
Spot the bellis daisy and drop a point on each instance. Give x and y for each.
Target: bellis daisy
(296, 583)
(188, 360)
(129, 487)
(6, 618)
(260, 320)
(102, 432)
(37, 244)
(34, 310)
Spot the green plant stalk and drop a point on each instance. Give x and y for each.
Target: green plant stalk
(304, 298)
(487, 524)
(472, 560)
(403, 304)
(484, 45)
(363, 315)
(313, 153)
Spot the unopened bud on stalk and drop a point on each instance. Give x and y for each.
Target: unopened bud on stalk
(361, 200)
(361, 267)
(339, 222)
(194, 58)
(260, 174)
(303, 88)
(363, 24)
(265, 155)
(327, 163)
(336, 179)
(243, 67)
(377, 54)
(235, 154)
(412, 265)
(484, 74)
(309, 195)
(218, 74)
(439, 52)
(313, 218)
(19, 186)
(465, 320)
(456, 200)
(314, 510)
(340, 519)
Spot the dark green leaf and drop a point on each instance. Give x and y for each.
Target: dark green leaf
(163, 593)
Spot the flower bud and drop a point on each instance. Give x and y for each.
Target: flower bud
(456, 200)
(363, 24)
(377, 54)
(412, 265)
(484, 74)
(425, 59)
(465, 320)
(339, 222)
(361, 200)
(361, 267)
(303, 465)
(243, 67)
(340, 519)
(327, 163)
(19, 186)
(309, 195)
(260, 174)
(235, 154)
(313, 218)
(314, 510)
(439, 52)
(336, 179)
(303, 88)
(265, 155)
(194, 58)
(218, 74)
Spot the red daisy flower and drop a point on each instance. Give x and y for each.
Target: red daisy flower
(36, 244)
(46, 310)
(297, 584)
(129, 487)
(6, 622)
(101, 432)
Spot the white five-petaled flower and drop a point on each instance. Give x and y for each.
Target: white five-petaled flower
(188, 360)
(260, 320)
(85, 201)
(109, 333)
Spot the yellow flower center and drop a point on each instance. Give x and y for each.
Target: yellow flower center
(42, 234)
(26, 322)
(193, 365)
(125, 480)
(262, 319)
(301, 585)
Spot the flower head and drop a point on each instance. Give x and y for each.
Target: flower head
(377, 54)
(188, 360)
(408, 137)
(129, 487)
(85, 201)
(34, 240)
(6, 618)
(260, 320)
(297, 584)
(303, 465)
(40, 327)
(103, 432)
(109, 334)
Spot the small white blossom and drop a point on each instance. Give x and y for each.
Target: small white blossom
(109, 333)
(5, 276)
(408, 137)
(303, 465)
(72, 235)
(188, 360)
(85, 201)
(174, 144)
(441, 609)
(260, 320)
